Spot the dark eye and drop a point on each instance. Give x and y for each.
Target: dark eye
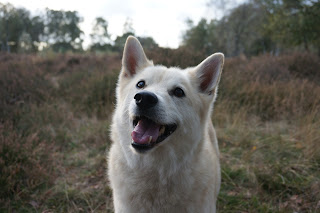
(178, 92)
(141, 84)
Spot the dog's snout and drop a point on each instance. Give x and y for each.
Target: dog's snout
(146, 100)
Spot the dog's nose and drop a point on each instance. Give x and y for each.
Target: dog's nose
(146, 100)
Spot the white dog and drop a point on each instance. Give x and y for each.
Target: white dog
(164, 156)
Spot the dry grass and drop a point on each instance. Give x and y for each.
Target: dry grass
(55, 114)
(268, 125)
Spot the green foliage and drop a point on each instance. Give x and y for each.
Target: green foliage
(239, 32)
(58, 31)
(148, 43)
(260, 26)
(16, 25)
(197, 37)
(100, 36)
(128, 26)
(62, 30)
(120, 41)
(21, 32)
(295, 23)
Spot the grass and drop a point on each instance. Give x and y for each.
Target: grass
(55, 113)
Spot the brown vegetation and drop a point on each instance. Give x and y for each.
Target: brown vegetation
(55, 114)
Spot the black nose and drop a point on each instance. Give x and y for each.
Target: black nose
(146, 100)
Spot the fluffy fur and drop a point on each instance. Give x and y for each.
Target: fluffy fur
(181, 173)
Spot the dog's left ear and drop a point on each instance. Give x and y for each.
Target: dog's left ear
(134, 58)
(209, 71)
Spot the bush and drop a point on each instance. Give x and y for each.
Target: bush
(26, 164)
(21, 82)
(266, 87)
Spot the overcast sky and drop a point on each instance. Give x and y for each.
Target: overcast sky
(164, 20)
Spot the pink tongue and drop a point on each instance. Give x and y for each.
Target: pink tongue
(144, 130)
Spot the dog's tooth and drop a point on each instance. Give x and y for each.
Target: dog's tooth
(150, 139)
(161, 131)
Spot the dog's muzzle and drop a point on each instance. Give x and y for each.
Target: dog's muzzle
(147, 133)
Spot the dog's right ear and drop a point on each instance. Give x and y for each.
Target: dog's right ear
(134, 58)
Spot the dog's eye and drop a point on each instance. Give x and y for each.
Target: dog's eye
(141, 84)
(178, 92)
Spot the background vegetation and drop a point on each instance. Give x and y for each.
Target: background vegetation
(56, 105)
(55, 117)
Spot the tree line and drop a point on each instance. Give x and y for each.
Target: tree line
(251, 28)
(22, 32)
(259, 26)
(56, 30)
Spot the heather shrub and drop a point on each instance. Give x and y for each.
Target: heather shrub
(21, 83)
(265, 86)
(304, 65)
(182, 57)
(101, 96)
(55, 113)
(26, 165)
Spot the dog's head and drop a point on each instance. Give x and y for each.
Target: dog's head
(160, 108)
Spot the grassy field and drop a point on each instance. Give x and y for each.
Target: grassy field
(55, 114)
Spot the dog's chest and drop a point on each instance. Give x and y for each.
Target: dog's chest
(149, 188)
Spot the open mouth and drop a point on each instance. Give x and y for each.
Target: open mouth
(147, 133)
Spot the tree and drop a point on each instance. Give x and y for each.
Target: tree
(6, 15)
(197, 36)
(294, 22)
(120, 41)
(62, 30)
(36, 31)
(245, 30)
(128, 27)
(221, 7)
(100, 37)
(127, 31)
(25, 43)
(148, 43)
(239, 32)
(16, 24)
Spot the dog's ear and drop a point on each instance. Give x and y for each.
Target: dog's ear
(134, 58)
(209, 71)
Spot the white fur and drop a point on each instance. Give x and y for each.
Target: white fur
(182, 173)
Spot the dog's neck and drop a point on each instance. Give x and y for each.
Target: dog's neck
(163, 162)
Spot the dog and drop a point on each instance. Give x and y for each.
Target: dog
(164, 156)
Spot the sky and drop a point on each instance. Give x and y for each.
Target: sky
(164, 20)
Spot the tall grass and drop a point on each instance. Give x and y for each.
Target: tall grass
(55, 114)
(268, 123)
